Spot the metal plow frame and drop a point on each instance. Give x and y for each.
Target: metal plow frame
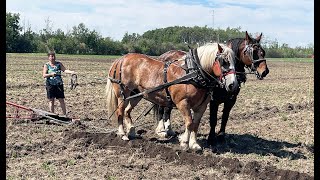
(22, 112)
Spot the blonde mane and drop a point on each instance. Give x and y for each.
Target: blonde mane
(208, 52)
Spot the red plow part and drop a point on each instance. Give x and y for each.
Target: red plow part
(16, 111)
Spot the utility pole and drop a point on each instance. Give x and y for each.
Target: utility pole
(212, 34)
(212, 19)
(217, 34)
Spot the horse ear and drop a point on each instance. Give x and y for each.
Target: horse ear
(248, 38)
(259, 38)
(220, 48)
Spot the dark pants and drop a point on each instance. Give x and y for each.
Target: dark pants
(54, 91)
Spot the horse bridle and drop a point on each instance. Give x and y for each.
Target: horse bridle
(249, 48)
(225, 71)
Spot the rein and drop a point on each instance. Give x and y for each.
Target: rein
(227, 73)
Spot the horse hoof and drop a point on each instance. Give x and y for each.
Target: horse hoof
(211, 141)
(184, 146)
(162, 134)
(125, 138)
(195, 147)
(221, 134)
(132, 132)
(120, 134)
(171, 133)
(181, 139)
(221, 137)
(132, 136)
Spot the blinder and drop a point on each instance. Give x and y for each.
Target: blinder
(224, 71)
(218, 63)
(249, 50)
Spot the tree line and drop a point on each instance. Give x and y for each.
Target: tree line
(81, 40)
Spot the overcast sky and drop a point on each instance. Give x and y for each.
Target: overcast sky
(287, 21)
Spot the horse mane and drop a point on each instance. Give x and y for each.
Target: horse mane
(173, 55)
(236, 42)
(236, 45)
(208, 52)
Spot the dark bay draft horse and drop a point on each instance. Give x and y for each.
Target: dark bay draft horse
(135, 74)
(250, 54)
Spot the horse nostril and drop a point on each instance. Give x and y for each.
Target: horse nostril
(264, 73)
(230, 86)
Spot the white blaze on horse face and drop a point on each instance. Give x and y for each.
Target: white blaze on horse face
(230, 80)
(231, 83)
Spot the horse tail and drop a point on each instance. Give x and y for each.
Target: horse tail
(112, 100)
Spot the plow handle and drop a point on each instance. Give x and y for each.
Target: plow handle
(19, 106)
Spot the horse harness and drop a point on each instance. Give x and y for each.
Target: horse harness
(118, 81)
(203, 78)
(249, 48)
(194, 75)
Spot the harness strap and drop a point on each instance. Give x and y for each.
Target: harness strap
(118, 80)
(165, 70)
(182, 80)
(203, 79)
(115, 69)
(191, 66)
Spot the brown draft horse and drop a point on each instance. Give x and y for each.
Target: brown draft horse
(135, 73)
(249, 54)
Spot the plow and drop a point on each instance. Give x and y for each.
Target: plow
(19, 112)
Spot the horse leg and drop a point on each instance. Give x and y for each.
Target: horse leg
(131, 133)
(167, 124)
(189, 126)
(193, 144)
(213, 121)
(228, 104)
(160, 130)
(120, 114)
(164, 126)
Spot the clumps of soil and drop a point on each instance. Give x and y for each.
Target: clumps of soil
(266, 112)
(269, 112)
(289, 107)
(152, 148)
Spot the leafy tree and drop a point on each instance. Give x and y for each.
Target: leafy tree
(55, 44)
(27, 42)
(81, 40)
(12, 32)
(71, 46)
